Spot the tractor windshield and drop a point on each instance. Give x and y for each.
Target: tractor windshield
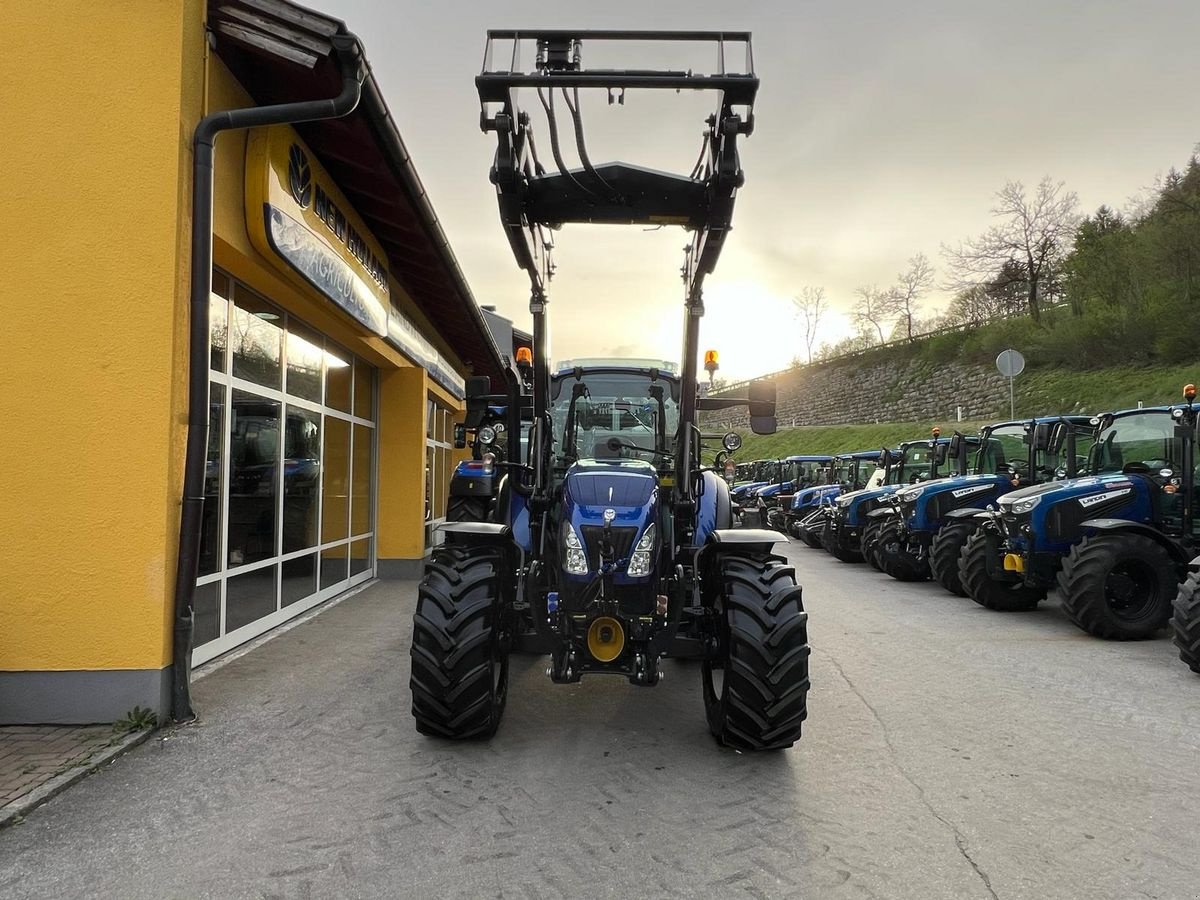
(614, 415)
(844, 470)
(916, 465)
(1139, 442)
(803, 473)
(1003, 451)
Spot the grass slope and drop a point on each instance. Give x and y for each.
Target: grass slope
(840, 438)
(1042, 391)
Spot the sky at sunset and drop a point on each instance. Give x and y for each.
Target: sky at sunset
(882, 131)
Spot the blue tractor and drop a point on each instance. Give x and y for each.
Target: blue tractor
(475, 482)
(848, 472)
(797, 473)
(612, 546)
(929, 523)
(1116, 542)
(848, 532)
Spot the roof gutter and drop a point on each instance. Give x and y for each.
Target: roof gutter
(389, 134)
(351, 64)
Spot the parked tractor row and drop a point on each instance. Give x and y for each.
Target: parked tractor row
(1102, 507)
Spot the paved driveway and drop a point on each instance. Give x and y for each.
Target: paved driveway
(951, 752)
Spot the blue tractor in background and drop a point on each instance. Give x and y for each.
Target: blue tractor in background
(929, 523)
(612, 546)
(848, 472)
(1116, 541)
(797, 473)
(847, 531)
(475, 482)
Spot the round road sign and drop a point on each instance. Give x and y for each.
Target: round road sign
(1010, 363)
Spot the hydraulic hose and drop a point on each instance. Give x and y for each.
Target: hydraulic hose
(349, 57)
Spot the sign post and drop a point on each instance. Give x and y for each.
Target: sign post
(1010, 364)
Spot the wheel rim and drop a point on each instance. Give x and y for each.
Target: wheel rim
(715, 681)
(1131, 589)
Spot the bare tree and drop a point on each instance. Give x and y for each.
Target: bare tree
(812, 305)
(911, 286)
(1033, 232)
(875, 306)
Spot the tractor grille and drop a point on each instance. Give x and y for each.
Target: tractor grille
(622, 539)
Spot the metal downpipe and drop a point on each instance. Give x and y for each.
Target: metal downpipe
(348, 54)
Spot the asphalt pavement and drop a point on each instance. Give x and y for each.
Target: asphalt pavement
(950, 752)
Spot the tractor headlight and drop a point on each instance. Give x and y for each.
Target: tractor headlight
(843, 502)
(909, 495)
(486, 435)
(575, 558)
(639, 562)
(1025, 504)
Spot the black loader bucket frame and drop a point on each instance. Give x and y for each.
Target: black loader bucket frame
(533, 201)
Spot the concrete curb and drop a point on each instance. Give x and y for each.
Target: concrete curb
(14, 812)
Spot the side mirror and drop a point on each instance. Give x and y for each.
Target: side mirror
(1043, 433)
(478, 387)
(460, 436)
(940, 452)
(762, 407)
(956, 445)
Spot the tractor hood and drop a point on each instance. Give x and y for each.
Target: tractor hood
(591, 487)
(813, 495)
(1114, 486)
(961, 487)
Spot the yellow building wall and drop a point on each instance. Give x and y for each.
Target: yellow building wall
(93, 385)
(94, 205)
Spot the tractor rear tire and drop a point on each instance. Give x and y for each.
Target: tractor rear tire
(945, 551)
(1118, 586)
(1186, 621)
(1003, 596)
(467, 509)
(894, 559)
(756, 687)
(460, 644)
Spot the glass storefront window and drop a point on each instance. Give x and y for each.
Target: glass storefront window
(206, 605)
(304, 362)
(335, 488)
(249, 597)
(339, 374)
(214, 474)
(257, 339)
(289, 487)
(253, 477)
(299, 579)
(360, 557)
(333, 566)
(362, 481)
(218, 321)
(301, 478)
(364, 389)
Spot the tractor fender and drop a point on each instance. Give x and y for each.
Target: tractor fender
(743, 540)
(477, 534)
(1111, 526)
(964, 513)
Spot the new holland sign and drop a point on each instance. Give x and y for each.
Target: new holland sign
(296, 215)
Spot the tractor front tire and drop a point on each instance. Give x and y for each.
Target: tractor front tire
(1004, 596)
(467, 509)
(460, 644)
(1186, 621)
(756, 685)
(945, 551)
(1118, 586)
(893, 557)
(870, 540)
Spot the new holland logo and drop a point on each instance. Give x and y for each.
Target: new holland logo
(299, 176)
(1087, 502)
(968, 491)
